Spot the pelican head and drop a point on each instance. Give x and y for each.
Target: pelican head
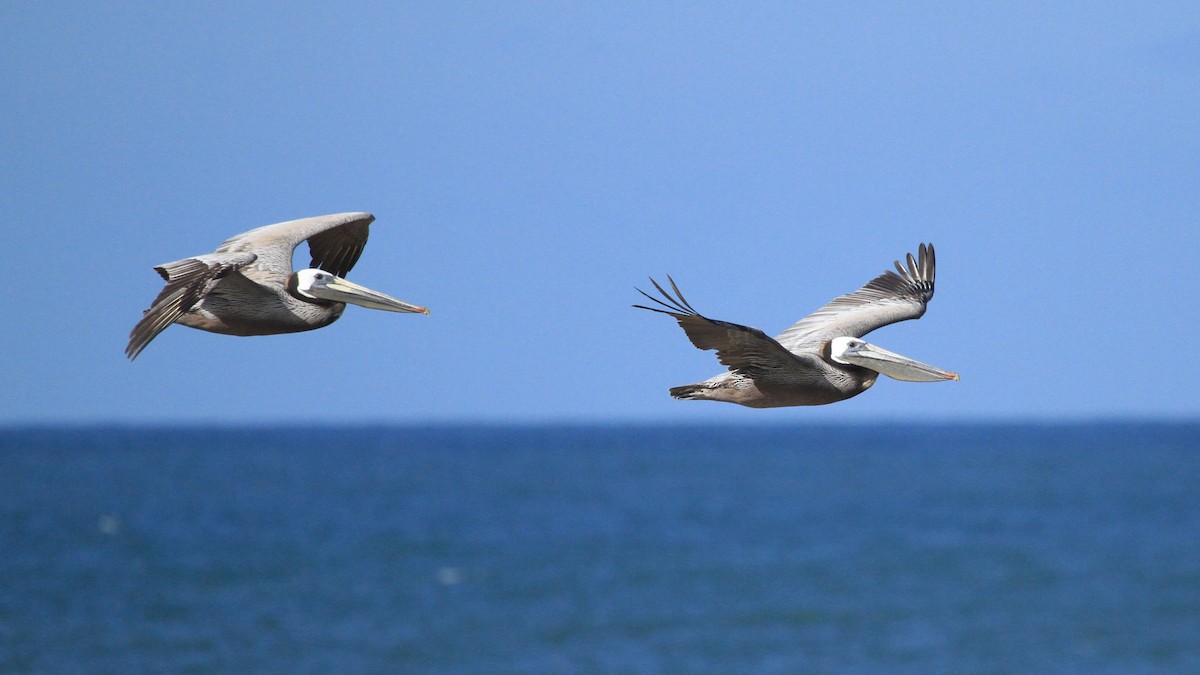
(321, 285)
(859, 352)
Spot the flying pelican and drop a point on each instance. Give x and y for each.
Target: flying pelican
(247, 287)
(822, 358)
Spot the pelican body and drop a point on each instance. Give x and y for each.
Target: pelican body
(247, 286)
(822, 358)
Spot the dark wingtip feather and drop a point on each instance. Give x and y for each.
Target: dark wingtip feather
(676, 307)
(683, 301)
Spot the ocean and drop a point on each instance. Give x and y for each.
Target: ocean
(602, 549)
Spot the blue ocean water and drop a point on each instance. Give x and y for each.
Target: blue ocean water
(922, 549)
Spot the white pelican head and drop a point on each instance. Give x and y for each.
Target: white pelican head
(321, 285)
(859, 352)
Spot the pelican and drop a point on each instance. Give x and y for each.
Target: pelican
(247, 287)
(822, 358)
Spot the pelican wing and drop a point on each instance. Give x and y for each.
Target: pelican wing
(335, 241)
(188, 281)
(742, 349)
(886, 299)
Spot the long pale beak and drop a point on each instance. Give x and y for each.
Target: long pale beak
(895, 366)
(341, 290)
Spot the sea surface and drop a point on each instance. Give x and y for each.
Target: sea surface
(601, 549)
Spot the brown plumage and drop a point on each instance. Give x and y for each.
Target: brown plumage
(247, 286)
(818, 360)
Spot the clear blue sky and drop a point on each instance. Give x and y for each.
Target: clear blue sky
(530, 163)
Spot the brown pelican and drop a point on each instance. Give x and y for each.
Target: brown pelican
(822, 358)
(247, 287)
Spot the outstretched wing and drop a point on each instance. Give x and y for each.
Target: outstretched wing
(742, 349)
(188, 281)
(886, 299)
(335, 241)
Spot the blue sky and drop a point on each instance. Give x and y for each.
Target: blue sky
(530, 163)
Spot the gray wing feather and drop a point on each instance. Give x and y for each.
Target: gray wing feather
(335, 241)
(188, 281)
(744, 350)
(886, 299)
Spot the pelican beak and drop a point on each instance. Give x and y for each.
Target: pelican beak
(895, 366)
(341, 290)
